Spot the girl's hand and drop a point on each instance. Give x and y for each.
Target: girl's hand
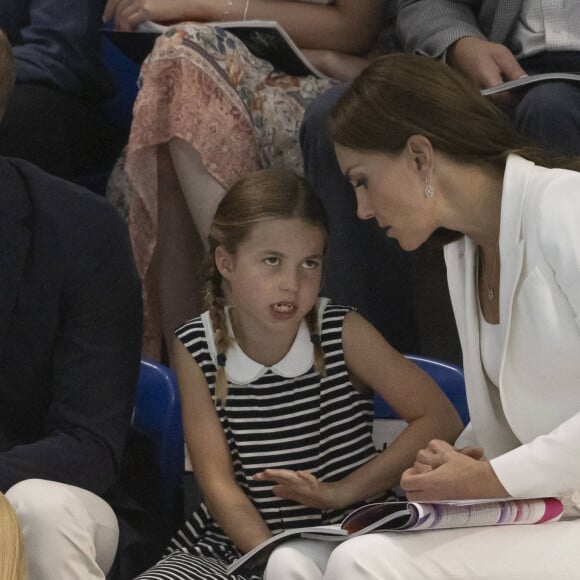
(302, 487)
(441, 472)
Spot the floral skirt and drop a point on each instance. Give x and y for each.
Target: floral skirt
(202, 85)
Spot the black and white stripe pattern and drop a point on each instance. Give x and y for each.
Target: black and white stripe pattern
(322, 426)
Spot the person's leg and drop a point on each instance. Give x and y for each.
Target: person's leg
(188, 198)
(364, 269)
(516, 552)
(549, 114)
(299, 560)
(201, 191)
(189, 201)
(179, 255)
(69, 533)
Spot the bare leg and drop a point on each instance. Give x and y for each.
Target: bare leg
(201, 191)
(180, 253)
(188, 197)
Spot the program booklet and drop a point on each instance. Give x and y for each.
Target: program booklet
(409, 516)
(254, 561)
(265, 39)
(529, 80)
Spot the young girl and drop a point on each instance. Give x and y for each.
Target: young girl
(277, 422)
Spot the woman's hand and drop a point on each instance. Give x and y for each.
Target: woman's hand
(128, 14)
(303, 488)
(441, 472)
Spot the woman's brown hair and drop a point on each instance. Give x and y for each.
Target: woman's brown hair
(264, 195)
(399, 95)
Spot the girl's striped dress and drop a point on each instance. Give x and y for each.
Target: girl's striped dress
(285, 416)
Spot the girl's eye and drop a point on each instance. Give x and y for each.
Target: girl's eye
(310, 264)
(272, 261)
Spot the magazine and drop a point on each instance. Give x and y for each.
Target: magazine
(254, 561)
(265, 39)
(408, 516)
(529, 80)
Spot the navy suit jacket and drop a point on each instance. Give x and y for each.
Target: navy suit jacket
(56, 43)
(70, 331)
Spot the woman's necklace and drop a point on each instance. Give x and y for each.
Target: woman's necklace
(489, 287)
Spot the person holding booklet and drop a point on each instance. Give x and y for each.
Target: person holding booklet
(208, 112)
(430, 159)
(489, 42)
(276, 386)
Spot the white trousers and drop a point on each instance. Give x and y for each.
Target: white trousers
(69, 533)
(525, 552)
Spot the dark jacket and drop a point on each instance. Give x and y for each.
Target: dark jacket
(70, 331)
(55, 43)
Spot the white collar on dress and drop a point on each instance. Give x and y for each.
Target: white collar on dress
(242, 370)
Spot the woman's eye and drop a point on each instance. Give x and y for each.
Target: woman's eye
(272, 260)
(360, 182)
(310, 264)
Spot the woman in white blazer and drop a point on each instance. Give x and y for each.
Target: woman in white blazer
(429, 158)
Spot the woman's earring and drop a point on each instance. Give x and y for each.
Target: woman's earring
(429, 190)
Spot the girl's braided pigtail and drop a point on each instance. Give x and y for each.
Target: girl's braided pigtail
(312, 322)
(215, 302)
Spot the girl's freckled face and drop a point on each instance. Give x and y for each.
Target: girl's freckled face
(275, 274)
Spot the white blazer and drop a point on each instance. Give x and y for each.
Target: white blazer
(529, 426)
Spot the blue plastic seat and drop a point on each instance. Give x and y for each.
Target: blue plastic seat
(117, 110)
(124, 73)
(448, 376)
(157, 415)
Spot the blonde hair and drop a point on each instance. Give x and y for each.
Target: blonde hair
(12, 553)
(264, 195)
(7, 72)
(399, 95)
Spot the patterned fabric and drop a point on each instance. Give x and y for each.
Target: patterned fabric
(320, 425)
(202, 85)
